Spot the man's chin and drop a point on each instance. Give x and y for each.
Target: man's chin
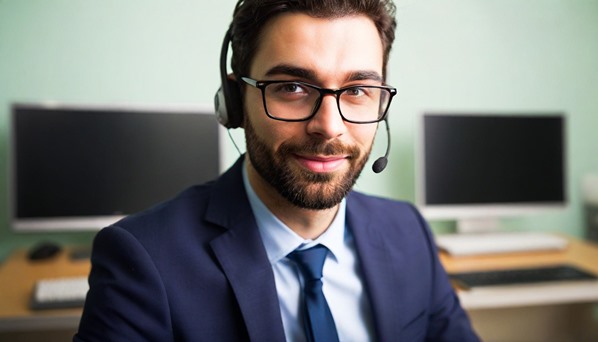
(308, 178)
(317, 191)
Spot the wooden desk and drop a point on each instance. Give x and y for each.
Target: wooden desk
(532, 313)
(17, 278)
(545, 312)
(579, 253)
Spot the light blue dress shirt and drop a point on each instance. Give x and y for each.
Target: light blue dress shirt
(342, 281)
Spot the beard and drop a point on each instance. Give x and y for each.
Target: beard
(301, 187)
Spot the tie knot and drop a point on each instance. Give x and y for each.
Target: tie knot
(310, 261)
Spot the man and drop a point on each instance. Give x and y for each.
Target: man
(224, 261)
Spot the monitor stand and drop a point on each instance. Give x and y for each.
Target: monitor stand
(478, 225)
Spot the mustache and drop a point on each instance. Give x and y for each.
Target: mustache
(334, 147)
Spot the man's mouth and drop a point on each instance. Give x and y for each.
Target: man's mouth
(321, 164)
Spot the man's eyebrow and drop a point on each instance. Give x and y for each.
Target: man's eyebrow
(365, 76)
(289, 70)
(306, 74)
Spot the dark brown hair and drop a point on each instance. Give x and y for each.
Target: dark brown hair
(250, 16)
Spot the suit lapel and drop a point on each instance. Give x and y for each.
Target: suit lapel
(241, 253)
(379, 270)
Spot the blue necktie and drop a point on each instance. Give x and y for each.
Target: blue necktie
(318, 321)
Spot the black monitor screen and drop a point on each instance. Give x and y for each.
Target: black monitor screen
(490, 159)
(80, 162)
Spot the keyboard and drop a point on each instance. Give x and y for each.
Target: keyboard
(499, 243)
(62, 292)
(550, 274)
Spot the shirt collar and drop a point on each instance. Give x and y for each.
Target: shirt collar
(279, 240)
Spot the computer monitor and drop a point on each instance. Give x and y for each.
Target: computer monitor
(84, 167)
(477, 168)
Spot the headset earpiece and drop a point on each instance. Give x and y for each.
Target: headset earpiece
(227, 102)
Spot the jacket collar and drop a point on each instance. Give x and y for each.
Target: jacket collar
(241, 254)
(381, 279)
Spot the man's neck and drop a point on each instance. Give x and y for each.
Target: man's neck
(307, 223)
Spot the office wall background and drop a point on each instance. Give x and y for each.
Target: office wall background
(462, 55)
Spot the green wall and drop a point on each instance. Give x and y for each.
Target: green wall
(463, 55)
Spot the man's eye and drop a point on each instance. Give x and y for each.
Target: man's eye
(289, 88)
(359, 92)
(356, 91)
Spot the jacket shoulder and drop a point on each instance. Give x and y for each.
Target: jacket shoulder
(382, 207)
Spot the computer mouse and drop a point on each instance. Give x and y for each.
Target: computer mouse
(44, 250)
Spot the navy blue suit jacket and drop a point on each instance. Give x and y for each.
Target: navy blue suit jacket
(195, 269)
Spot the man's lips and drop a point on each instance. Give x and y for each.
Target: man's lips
(321, 163)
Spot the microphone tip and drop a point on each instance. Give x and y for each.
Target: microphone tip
(380, 164)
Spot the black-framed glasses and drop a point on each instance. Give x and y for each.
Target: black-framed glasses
(299, 101)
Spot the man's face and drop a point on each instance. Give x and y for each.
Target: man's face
(313, 164)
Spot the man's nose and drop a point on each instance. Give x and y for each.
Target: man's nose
(327, 122)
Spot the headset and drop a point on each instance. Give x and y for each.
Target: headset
(229, 104)
(228, 101)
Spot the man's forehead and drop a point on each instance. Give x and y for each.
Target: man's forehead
(306, 47)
